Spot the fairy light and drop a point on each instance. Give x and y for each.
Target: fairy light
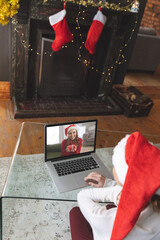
(121, 55)
(78, 28)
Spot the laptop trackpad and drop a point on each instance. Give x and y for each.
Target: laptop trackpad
(70, 182)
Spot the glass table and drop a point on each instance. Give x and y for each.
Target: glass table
(31, 206)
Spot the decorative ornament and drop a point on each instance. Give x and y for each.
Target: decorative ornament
(7, 10)
(62, 32)
(95, 31)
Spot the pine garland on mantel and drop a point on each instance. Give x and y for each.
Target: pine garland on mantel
(9, 8)
(122, 5)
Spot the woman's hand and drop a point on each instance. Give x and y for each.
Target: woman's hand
(95, 179)
(74, 148)
(68, 149)
(71, 148)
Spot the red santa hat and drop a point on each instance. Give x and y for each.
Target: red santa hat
(137, 164)
(69, 128)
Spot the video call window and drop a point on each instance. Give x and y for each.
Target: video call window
(70, 139)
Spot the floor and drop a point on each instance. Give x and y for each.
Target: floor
(142, 79)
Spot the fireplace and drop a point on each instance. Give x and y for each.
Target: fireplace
(47, 83)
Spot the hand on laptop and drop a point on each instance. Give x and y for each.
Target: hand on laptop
(95, 179)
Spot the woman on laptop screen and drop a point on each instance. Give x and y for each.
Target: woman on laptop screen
(72, 144)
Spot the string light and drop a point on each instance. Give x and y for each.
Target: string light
(122, 59)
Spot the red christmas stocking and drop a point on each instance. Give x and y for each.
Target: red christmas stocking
(95, 31)
(62, 32)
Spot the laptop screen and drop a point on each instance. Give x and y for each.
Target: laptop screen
(70, 139)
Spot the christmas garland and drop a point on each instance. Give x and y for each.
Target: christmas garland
(104, 4)
(7, 10)
(123, 5)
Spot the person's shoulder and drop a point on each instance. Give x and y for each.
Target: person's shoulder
(80, 140)
(64, 140)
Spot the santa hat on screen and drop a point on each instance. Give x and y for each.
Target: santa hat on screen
(95, 31)
(137, 165)
(60, 26)
(69, 128)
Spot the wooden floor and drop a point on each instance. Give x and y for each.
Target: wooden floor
(149, 126)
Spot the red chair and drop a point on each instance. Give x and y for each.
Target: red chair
(80, 228)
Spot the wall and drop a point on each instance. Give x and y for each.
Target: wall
(151, 17)
(4, 52)
(5, 45)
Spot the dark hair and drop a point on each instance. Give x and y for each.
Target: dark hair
(155, 203)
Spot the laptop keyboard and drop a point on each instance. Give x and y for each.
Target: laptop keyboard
(75, 166)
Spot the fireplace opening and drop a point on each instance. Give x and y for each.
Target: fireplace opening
(60, 74)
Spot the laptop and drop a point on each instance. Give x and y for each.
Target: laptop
(70, 153)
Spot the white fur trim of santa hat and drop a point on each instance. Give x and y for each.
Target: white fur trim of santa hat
(100, 17)
(69, 128)
(119, 163)
(55, 18)
(118, 159)
(72, 128)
